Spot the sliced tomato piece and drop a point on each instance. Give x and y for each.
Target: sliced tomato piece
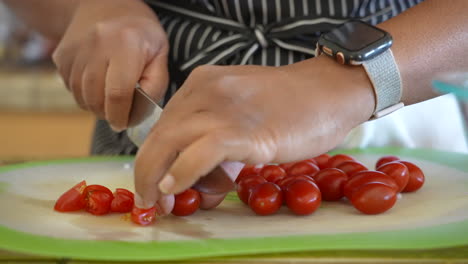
(123, 201)
(142, 216)
(72, 200)
(98, 202)
(122, 191)
(96, 187)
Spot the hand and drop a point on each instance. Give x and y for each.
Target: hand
(251, 114)
(109, 46)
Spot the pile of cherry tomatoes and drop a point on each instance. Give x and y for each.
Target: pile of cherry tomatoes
(302, 185)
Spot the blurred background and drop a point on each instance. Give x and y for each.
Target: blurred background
(38, 116)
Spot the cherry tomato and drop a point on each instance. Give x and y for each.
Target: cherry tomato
(311, 160)
(337, 159)
(286, 166)
(266, 199)
(398, 172)
(272, 173)
(143, 217)
(303, 167)
(186, 203)
(283, 183)
(416, 177)
(122, 191)
(123, 201)
(374, 198)
(247, 171)
(385, 159)
(322, 161)
(98, 202)
(72, 200)
(303, 197)
(331, 182)
(245, 186)
(351, 167)
(96, 187)
(366, 177)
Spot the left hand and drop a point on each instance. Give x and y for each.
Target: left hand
(251, 114)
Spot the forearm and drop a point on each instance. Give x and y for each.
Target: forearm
(49, 17)
(429, 39)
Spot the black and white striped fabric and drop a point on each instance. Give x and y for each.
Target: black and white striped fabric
(239, 32)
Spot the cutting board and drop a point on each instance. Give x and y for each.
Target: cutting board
(434, 217)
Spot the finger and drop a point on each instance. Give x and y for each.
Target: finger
(94, 84)
(160, 150)
(201, 157)
(165, 204)
(122, 75)
(75, 81)
(64, 64)
(155, 77)
(221, 179)
(209, 201)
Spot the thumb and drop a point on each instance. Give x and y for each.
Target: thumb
(155, 77)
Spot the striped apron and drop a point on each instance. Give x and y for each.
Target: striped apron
(239, 32)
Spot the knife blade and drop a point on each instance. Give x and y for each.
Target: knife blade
(145, 113)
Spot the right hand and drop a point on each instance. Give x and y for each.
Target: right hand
(109, 46)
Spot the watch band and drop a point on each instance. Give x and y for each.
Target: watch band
(386, 80)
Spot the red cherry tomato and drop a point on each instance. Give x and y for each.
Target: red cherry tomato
(186, 203)
(286, 166)
(122, 191)
(266, 199)
(283, 183)
(96, 187)
(416, 177)
(247, 171)
(331, 182)
(98, 202)
(374, 198)
(72, 200)
(311, 160)
(398, 172)
(244, 187)
(351, 167)
(366, 177)
(143, 217)
(385, 159)
(303, 197)
(303, 167)
(322, 161)
(123, 201)
(272, 173)
(337, 159)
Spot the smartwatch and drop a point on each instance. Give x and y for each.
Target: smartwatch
(358, 43)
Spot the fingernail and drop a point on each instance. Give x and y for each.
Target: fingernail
(167, 183)
(115, 129)
(139, 202)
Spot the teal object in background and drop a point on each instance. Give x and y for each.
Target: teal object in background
(455, 83)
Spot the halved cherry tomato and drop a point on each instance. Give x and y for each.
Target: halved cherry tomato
(322, 161)
(272, 173)
(143, 217)
(72, 200)
(96, 187)
(331, 182)
(366, 177)
(123, 201)
(283, 183)
(416, 177)
(303, 167)
(374, 198)
(98, 202)
(266, 199)
(398, 171)
(385, 159)
(245, 186)
(303, 197)
(337, 159)
(351, 167)
(247, 171)
(186, 203)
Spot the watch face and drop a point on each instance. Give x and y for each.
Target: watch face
(354, 35)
